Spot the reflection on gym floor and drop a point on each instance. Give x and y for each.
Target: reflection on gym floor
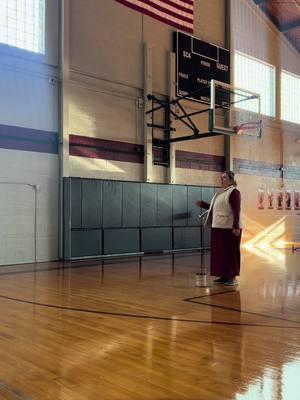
(140, 328)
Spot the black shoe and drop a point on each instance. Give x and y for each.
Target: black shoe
(230, 282)
(220, 280)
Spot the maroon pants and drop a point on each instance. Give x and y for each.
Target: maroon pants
(225, 256)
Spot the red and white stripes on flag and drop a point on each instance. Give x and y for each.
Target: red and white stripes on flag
(178, 13)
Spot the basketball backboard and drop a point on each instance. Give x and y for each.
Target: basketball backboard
(234, 111)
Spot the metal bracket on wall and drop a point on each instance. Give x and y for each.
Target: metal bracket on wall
(160, 145)
(183, 116)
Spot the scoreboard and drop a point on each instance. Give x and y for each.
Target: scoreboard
(197, 62)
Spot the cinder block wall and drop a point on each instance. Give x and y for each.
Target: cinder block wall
(106, 84)
(29, 166)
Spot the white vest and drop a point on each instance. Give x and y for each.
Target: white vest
(220, 211)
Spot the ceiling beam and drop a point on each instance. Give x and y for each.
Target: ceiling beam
(290, 25)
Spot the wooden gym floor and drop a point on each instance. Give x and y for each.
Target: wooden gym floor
(136, 329)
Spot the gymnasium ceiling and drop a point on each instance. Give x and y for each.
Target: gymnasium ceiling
(285, 15)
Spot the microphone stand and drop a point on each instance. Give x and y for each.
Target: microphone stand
(201, 277)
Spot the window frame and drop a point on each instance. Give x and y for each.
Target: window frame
(272, 99)
(19, 51)
(284, 71)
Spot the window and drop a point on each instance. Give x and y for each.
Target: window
(22, 24)
(290, 100)
(256, 76)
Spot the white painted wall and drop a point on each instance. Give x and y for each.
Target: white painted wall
(106, 74)
(29, 99)
(255, 35)
(106, 79)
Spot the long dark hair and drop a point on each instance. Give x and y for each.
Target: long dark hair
(230, 175)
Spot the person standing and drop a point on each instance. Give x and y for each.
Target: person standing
(224, 217)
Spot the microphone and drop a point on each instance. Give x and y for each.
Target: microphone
(202, 215)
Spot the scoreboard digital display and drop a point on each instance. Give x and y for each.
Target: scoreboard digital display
(197, 62)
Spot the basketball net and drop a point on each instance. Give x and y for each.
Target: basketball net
(252, 128)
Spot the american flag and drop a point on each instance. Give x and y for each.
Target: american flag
(178, 13)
